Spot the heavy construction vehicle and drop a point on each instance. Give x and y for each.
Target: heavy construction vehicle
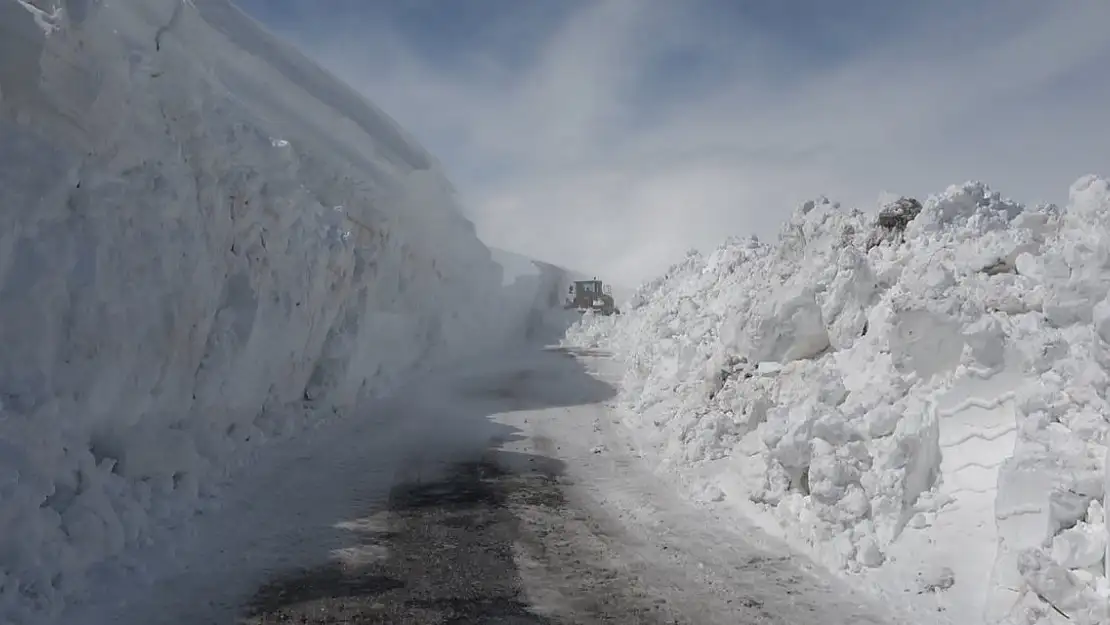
(591, 295)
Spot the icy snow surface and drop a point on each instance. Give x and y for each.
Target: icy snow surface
(919, 399)
(206, 242)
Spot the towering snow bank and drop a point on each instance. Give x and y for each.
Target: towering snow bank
(921, 398)
(204, 241)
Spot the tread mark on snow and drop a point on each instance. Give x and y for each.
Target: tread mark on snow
(986, 436)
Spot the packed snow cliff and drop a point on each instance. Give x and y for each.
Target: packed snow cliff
(205, 242)
(919, 398)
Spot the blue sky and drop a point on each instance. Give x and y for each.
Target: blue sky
(612, 135)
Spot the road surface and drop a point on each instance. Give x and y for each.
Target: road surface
(497, 494)
(452, 551)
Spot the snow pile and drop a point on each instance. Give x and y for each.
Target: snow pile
(920, 398)
(205, 242)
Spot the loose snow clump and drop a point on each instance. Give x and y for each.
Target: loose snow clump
(924, 390)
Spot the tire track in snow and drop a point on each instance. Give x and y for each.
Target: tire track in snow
(977, 435)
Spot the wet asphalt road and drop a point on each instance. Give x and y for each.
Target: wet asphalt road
(452, 550)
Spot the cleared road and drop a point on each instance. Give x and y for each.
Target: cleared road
(501, 493)
(451, 551)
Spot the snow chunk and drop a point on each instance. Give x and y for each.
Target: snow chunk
(1083, 545)
(792, 330)
(1061, 590)
(925, 343)
(1089, 199)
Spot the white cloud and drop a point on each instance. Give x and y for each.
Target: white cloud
(556, 161)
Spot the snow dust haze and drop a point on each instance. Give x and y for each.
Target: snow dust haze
(617, 135)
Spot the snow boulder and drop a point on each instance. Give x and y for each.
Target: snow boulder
(925, 343)
(792, 328)
(848, 298)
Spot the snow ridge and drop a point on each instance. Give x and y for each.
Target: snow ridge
(920, 399)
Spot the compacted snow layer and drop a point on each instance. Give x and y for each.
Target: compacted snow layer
(920, 398)
(205, 242)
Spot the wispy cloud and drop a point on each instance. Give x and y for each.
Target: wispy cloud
(612, 135)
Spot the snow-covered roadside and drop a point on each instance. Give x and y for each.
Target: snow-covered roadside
(206, 243)
(706, 566)
(919, 400)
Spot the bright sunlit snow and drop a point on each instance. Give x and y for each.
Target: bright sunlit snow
(919, 399)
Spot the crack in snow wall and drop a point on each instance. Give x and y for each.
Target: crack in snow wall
(931, 401)
(205, 242)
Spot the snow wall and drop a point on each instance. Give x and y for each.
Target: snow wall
(539, 302)
(538, 291)
(920, 398)
(206, 242)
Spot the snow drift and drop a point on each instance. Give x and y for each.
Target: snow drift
(205, 242)
(921, 398)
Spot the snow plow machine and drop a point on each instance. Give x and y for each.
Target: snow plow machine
(591, 295)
